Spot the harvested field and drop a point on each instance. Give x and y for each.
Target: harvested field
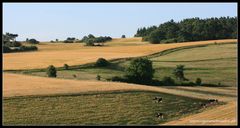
(43, 86)
(73, 54)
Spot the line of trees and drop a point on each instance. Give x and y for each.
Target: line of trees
(192, 29)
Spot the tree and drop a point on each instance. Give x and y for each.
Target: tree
(65, 66)
(140, 70)
(98, 77)
(51, 71)
(168, 81)
(179, 73)
(101, 62)
(33, 41)
(91, 36)
(123, 36)
(198, 81)
(57, 40)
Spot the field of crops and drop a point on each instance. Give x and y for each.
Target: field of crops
(76, 53)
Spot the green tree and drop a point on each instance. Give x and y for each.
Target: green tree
(91, 36)
(140, 70)
(179, 73)
(98, 77)
(101, 62)
(51, 71)
(198, 81)
(168, 81)
(33, 41)
(123, 36)
(65, 66)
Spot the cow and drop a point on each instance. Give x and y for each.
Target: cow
(211, 101)
(158, 99)
(159, 115)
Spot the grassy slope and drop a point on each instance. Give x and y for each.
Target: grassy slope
(210, 63)
(119, 108)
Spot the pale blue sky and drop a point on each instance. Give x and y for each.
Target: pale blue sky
(50, 21)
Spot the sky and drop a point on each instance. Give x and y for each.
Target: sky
(50, 21)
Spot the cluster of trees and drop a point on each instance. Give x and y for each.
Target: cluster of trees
(9, 40)
(192, 29)
(70, 40)
(32, 41)
(11, 45)
(91, 40)
(141, 71)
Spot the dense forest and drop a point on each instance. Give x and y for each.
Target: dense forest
(192, 29)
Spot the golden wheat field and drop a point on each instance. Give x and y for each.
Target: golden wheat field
(74, 54)
(16, 85)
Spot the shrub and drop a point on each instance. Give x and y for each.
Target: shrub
(33, 41)
(65, 66)
(117, 78)
(13, 44)
(123, 36)
(27, 48)
(198, 81)
(140, 70)
(98, 77)
(101, 62)
(67, 41)
(51, 71)
(6, 49)
(168, 81)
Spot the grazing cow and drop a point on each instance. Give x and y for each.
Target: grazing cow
(203, 105)
(155, 98)
(158, 99)
(159, 115)
(211, 101)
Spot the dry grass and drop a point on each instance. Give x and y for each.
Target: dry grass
(73, 54)
(33, 85)
(222, 115)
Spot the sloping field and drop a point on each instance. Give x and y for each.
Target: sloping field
(22, 85)
(223, 115)
(73, 54)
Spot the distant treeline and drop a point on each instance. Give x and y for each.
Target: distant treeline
(193, 29)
